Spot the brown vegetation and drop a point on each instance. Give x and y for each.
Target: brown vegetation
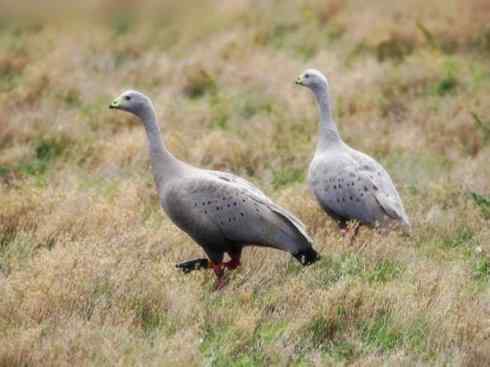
(87, 259)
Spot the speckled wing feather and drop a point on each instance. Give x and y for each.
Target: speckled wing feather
(255, 194)
(215, 207)
(387, 194)
(353, 191)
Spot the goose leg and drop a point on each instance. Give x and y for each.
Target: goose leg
(217, 266)
(199, 264)
(350, 231)
(219, 270)
(343, 227)
(235, 259)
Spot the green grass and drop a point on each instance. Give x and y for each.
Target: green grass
(481, 269)
(319, 332)
(15, 250)
(462, 236)
(227, 347)
(385, 271)
(332, 269)
(45, 152)
(415, 336)
(380, 333)
(154, 320)
(326, 336)
(446, 85)
(4, 171)
(287, 176)
(270, 332)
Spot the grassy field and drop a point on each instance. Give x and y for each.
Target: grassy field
(87, 257)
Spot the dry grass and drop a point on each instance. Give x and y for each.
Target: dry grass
(87, 259)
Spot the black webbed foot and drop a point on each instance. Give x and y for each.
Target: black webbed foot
(307, 257)
(191, 265)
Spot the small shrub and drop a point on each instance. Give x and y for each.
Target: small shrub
(44, 153)
(48, 149)
(446, 85)
(395, 48)
(4, 171)
(198, 83)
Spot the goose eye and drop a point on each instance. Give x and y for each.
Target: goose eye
(307, 75)
(127, 98)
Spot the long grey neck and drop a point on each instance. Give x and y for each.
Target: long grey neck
(329, 135)
(163, 163)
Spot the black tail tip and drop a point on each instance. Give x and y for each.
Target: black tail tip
(307, 257)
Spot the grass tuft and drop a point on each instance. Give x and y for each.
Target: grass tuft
(45, 152)
(446, 85)
(483, 202)
(385, 271)
(395, 49)
(287, 176)
(483, 127)
(482, 269)
(226, 346)
(198, 82)
(462, 236)
(380, 333)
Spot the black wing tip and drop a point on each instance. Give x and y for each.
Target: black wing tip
(307, 257)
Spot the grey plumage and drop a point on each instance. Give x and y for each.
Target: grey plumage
(220, 211)
(348, 184)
